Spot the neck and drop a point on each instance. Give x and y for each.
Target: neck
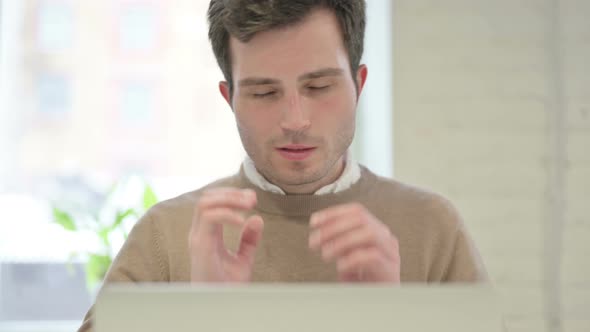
(306, 204)
(310, 188)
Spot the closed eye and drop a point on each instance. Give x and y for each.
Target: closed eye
(264, 94)
(318, 87)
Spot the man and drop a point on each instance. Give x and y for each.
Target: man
(300, 209)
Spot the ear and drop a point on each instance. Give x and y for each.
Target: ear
(224, 89)
(361, 78)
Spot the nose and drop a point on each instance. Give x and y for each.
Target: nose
(295, 117)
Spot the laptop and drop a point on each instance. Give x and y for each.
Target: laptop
(296, 308)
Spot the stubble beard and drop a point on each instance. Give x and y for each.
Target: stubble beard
(299, 173)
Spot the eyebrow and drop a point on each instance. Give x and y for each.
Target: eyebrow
(321, 73)
(250, 81)
(257, 81)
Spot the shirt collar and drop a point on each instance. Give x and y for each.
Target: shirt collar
(349, 176)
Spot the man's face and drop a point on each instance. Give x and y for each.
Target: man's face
(295, 100)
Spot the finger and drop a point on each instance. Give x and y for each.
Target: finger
(353, 276)
(360, 259)
(207, 233)
(348, 277)
(250, 238)
(377, 235)
(214, 218)
(242, 199)
(359, 238)
(329, 231)
(324, 216)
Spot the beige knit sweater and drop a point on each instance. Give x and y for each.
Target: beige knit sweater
(434, 245)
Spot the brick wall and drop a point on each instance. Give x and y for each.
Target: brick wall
(480, 87)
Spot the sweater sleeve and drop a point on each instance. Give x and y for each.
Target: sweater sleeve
(453, 256)
(139, 260)
(465, 264)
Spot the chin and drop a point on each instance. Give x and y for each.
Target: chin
(301, 176)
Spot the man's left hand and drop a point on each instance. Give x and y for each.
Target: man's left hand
(363, 248)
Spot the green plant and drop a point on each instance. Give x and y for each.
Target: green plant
(102, 226)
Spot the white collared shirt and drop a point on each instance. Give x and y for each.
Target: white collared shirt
(350, 175)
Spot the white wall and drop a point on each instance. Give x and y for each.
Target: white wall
(492, 109)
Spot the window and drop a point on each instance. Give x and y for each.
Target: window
(92, 92)
(136, 103)
(139, 26)
(54, 25)
(53, 95)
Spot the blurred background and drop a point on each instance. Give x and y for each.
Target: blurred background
(108, 106)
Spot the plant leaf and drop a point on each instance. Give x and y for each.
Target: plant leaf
(121, 215)
(64, 219)
(111, 190)
(96, 268)
(149, 198)
(103, 234)
(70, 264)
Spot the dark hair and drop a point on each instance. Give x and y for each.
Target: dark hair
(244, 18)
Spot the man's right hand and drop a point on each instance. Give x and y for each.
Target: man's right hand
(211, 261)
